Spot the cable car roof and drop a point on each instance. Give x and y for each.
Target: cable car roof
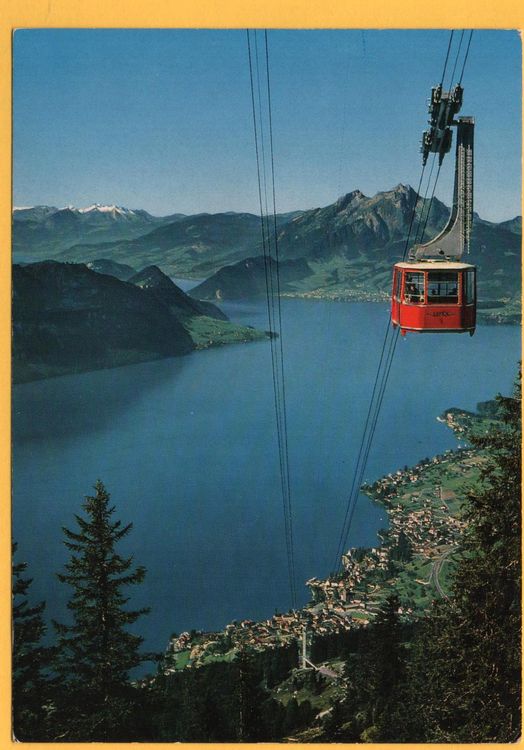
(434, 265)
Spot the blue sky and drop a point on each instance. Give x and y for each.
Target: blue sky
(161, 119)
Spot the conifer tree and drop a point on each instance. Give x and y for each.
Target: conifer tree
(470, 653)
(250, 698)
(374, 676)
(29, 660)
(96, 651)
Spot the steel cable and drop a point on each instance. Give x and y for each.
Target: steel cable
(466, 56)
(272, 284)
(456, 59)
(446, 61)
(370, 420)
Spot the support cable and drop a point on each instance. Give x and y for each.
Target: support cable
(280, 327)
(272, 279)
(372, 414)
(430, 204)
(456, 59)
(466, 56)
(424, 202)
(268, 271)
(446, 61)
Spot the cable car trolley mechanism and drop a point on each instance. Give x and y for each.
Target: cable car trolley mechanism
(433, 292)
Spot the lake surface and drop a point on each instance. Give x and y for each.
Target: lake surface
(187, 448)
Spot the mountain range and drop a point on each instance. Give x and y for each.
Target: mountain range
(350, 247)
(346, 249)
(42, 232)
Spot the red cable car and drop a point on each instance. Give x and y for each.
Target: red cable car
(434, 297)
(433, 292)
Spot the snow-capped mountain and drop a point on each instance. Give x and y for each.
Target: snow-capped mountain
(105, 209)
(44, 231)
(95, 208)
(113, 211)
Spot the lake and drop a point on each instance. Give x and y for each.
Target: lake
(187, 448)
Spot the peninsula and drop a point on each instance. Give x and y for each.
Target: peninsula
(70, 318)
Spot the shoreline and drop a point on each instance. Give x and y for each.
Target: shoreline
(423, 504)
(489, 316)
(246, 335)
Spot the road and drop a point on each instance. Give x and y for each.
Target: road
(435, 572)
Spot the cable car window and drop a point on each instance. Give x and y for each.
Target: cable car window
(414, 288)
(469, 287)
(398, 280)
(442, 287)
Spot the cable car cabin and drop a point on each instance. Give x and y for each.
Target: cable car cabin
(434, 297)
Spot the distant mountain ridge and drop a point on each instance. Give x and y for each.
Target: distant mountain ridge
(42, 232)
(73, 234)
(29, 213)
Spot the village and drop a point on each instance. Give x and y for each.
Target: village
(423, 505)
(347, 294)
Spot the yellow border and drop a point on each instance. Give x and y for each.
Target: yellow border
(262, 13)
(507, 14)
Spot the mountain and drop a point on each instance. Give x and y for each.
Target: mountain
(33, 213)
(513, 225)
(193, 247)
(355, 223)
(42, 232)
(118, 270)
(350, 246)
(197, 246)
(205, 323)
(160, 287)
(82, 234)
(69, 318)
(248, 279)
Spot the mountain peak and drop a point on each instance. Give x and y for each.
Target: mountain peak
(350, 199)
(104, 209)
(399, 190)
(151, 277)
(402, 196)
